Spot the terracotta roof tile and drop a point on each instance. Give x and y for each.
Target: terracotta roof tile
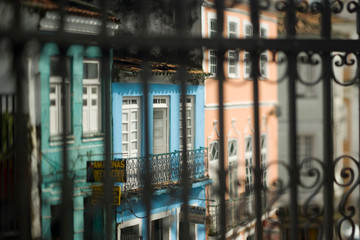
(51, 6)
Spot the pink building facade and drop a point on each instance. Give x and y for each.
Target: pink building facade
(239, 116)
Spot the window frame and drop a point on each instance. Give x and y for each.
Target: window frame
(89, 84)
(215, 142)
(263, 154)
(232, 19)
(212, 54)
(233, 167)
(235, 65)
(164, 103)
(246, 55)
(248, 153)
(189, 106)
(56, 81)
(211, 17)
(264, 56)
(132, 107)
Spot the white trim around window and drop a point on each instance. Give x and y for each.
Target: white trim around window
(212, 29)
(263, 152)
(214, 151)
(190, 123)
(131, 127)
(233, 166)
(56, 99)
(212, 62)
(129, 223)
(233, 64)
(91, 96)
(233, 25)
(264, 56)
(247, 33)
(249, 161)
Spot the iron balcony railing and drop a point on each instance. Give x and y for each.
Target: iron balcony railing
(239, 212)
(166, 168)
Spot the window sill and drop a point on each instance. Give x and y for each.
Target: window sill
(233, 76)
(92, 137)
(57, 140)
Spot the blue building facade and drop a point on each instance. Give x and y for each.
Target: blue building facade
(164, 119)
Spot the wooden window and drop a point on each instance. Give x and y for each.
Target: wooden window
(91, 109)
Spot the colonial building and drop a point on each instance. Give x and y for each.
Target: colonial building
(239, 117)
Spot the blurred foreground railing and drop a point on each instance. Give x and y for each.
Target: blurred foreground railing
(7, 167)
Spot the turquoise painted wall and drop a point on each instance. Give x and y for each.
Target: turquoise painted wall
(119, 90)
(80, 149)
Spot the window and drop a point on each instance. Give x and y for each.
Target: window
(160, 229)
(212, 62)
(91, 96)
(233, 167)
(161, 124)
(248, 32)
(213, 28)
(131, 232)
(232, 63)
(263, 152)
(58, 97)
(232, 29)
(232, 148)
(305, 145)
(263, 58)
(214, 151)
(190, 128)
(263, 55)
(249, 162)
(130, 127)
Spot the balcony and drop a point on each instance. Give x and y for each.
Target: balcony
(166, 169)
(238, 213)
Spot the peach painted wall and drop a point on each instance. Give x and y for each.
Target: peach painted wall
(238, 97)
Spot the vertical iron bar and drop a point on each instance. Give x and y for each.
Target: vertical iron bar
(294, 169)
(145, 75)
(11, 159)
(2, 168)
(1, 124)
(108, 182)
(184, 167)
(219, 4)
(182, 24)
(254, 11)
(328, 127)
(358, 84)
(146, 71)
(22, 181)
(21, 157)
(7, 126)
(67, 187)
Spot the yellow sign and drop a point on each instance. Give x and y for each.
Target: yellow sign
(98, 195)
(96, 171)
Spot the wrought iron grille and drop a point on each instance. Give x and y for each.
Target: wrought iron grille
(315, 190)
